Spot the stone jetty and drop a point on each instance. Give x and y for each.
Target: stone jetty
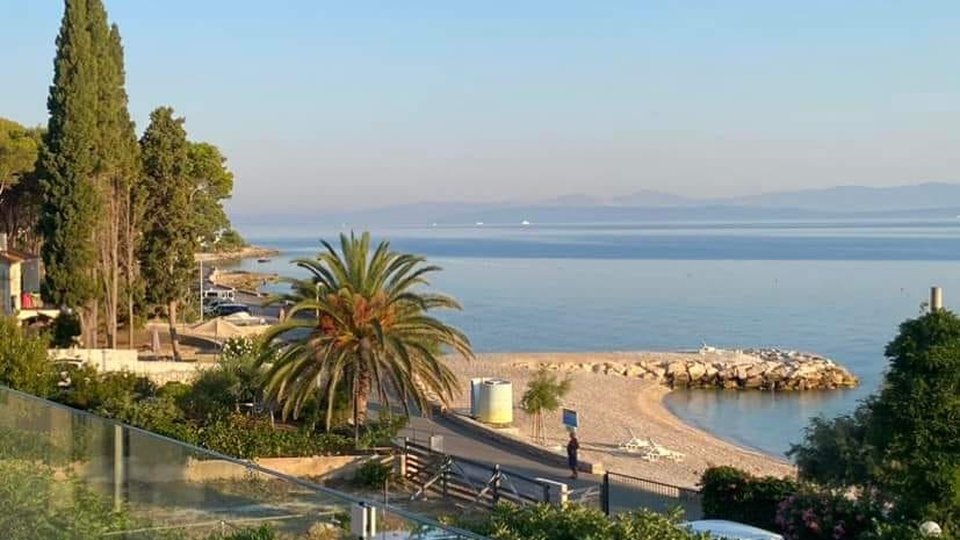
(750, 369)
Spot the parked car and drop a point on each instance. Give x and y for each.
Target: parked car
(730, 530)
(223, 310)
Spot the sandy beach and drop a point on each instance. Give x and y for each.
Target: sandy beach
(608, 406)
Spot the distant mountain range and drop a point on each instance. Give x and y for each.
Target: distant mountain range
(932, 200)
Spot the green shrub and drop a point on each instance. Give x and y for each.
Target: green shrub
(24, 364)
(729, 493)
(92, 390)
(65, 330)
(249, 437)
(382, 431)
(264, 532)
(574, 522)
(373, 474)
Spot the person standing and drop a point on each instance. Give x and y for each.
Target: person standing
(573, 446)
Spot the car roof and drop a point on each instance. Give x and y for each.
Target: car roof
(731, 530)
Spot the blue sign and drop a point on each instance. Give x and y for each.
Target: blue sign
(570, 418)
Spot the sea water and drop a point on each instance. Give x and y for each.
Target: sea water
(835, 288)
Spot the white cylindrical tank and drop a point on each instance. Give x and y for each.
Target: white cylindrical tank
(475, 394)
(495, 402)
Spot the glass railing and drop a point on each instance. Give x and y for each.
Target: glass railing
(66, 473)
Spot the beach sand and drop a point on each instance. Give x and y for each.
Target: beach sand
(610, 404)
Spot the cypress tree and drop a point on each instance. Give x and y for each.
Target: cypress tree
(71, 202)
(168, 244)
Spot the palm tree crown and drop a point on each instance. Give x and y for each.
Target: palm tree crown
(360, 324)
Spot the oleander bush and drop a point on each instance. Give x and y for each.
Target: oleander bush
(735, 495)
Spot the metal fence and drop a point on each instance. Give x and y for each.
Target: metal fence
(622, 493)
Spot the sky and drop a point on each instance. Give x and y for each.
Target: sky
(340, 105)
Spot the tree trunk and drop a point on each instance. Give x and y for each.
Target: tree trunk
(130, 269)
(114, 294)
(361, 389)
(174, 337)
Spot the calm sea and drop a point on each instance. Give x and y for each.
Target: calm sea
(839, 289)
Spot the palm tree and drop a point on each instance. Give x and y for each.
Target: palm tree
(544, 393)
(360, 324)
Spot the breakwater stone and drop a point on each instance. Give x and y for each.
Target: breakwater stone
(750, 369)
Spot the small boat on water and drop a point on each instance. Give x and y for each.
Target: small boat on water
(263, 260)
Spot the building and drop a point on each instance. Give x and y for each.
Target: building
(19, 280)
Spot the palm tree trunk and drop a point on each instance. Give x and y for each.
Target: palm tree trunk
(361, 389)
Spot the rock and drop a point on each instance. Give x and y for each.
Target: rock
(696, 371)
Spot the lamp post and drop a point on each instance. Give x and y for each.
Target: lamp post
(201, 290)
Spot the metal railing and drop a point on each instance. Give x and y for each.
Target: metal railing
(621, 492)
(167, 485)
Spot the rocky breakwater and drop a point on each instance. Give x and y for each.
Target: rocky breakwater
(753, 369)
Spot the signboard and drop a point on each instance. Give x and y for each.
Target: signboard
(571, 419)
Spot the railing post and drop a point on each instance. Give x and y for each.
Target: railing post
(118, 466)
(605, 494)
(496, 484)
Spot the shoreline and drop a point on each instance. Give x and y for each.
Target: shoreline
(613, 407)
(247, 252)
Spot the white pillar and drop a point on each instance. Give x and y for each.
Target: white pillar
(936, 298)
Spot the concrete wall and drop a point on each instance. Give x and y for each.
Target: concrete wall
(193, 470)
(159, 371)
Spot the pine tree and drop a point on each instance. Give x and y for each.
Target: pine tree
(71, 202)
(168, 245)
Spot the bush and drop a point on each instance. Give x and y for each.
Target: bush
(91, 390)
(729, 493)
(65, 330)
(249, 437)
(574, 522)
(373, 474)
(814, 514)
(382, 432)
(24, 364)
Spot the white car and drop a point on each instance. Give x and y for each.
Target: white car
(730, 530)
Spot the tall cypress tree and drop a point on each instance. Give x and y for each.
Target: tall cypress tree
(89, 167)
(169, 242)
(71, 201)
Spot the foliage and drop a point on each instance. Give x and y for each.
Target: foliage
(24, 364)
(904, 441)
(210, 183)
(263, 532)
(169, 243)
(19, 148)
(373, 474)
(575, 522)
(90, 390)
(71, 202)
(544, 393)
(362, 323)
(230, 240)
(735, 495)
(815, 514)
(36, 505)
(247, 437)
(64, 330)
(382, 431)
(914, 423)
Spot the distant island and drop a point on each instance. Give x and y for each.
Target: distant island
(932, 200)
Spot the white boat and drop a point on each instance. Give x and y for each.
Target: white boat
(479, 224)
(524, 222)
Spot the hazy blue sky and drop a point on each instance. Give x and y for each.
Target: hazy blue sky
(332, 104)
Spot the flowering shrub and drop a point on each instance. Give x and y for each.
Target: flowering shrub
(735, 495)
(825, 514)
(238, 348)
